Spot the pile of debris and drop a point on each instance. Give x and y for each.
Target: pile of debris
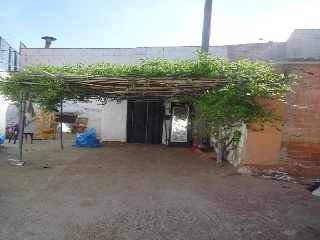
(277, 175)
(268, 174)
(315, 188)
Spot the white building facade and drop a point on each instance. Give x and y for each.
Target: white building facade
(111, 120)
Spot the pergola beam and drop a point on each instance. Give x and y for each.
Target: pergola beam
(128, 86)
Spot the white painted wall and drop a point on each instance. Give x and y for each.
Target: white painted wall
(237, 156)
(114, 121)
(3, 108)
(12, 114)
(128, 56)
(92, 111)
(72, 56)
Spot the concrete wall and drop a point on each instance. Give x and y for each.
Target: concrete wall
(303, 44)
(71, 56)
(270, 52)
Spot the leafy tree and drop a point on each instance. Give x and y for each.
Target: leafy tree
(239, 102)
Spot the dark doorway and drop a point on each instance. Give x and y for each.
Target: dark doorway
(145, 122)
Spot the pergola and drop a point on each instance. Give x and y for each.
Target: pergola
(120, 88)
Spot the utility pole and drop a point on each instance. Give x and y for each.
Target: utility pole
(205, 47)
(206, 31)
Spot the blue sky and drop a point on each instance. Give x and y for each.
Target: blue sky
(140, 23)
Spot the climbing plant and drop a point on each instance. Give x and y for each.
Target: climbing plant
(229, 105)
(50, 83)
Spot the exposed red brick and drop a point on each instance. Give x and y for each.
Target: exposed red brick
(303, 146)
(300, 144)
(316, 136)
(302, 125)
(311, 164)
(303, 158)
(314, 106)
(315, 154)
(298, 153)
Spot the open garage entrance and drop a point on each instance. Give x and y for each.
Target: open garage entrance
(145, 122)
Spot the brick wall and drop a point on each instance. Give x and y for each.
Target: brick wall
(301, 139)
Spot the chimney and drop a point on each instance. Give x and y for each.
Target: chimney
(48, 41)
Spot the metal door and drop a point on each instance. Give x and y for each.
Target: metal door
(145, 122)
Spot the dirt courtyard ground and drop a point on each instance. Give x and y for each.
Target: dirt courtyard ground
(138, 191)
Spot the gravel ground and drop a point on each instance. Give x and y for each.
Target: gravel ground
(138, 191)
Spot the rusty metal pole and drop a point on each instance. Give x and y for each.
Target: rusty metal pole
(147, 124)
(219, 157)
(61, 112)
(22, 110)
